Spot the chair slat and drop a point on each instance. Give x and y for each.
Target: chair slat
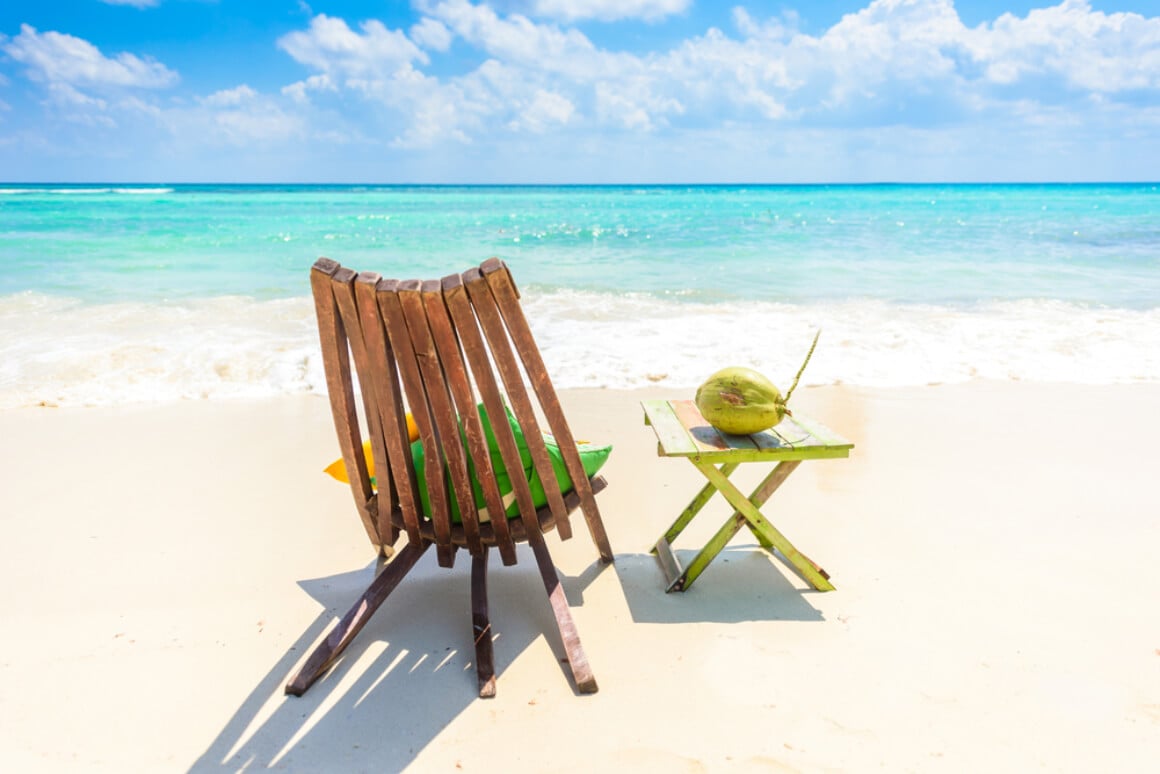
(336, 364)
(459, 307)
(507, 298)
(493, 328)
(455, 373)
(396, 476)
(443, 412)
(496, 407)
(343, 286)
(433, 480)
(398, 338)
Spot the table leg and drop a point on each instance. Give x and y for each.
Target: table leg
(764, 491)
(678, 578)
(710, 551)
(684, 578)
(809, 570)
(695, 505)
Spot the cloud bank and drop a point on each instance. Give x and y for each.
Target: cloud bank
(895, 75)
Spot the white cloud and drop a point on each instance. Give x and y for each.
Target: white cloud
(59, 59)
(317, 83)
(239, 116)
(430, 33)
(334, 48)
(516, 39)
(434, 111)
(547, 110)
(609, 10)
(623, 89)
(774, 29)
(67, 95)
(892, 62)
(230, 97)
(1087, 49)
(615, 108)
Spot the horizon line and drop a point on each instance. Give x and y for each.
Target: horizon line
(140, 183)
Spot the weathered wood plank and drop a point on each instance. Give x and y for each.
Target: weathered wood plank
(791, 439)
(431, 368)
(704, 436)
(375, 299)
(507, 299)
(672, 436)
(336, 365)
(481, 627)
(670, 565)
(746, 511)
(455, 378)
(356, 618)
(505, 361)
(475, 350)
(371, 374)
(395, 322)
(780, 438)
(577, 659)
(343, 284)
(402, 490)
(820, 433)
(426, 395)
(696, 504)
(707, 554)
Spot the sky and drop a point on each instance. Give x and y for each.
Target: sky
(579, 91)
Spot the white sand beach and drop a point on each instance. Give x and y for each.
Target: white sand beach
(993, 546)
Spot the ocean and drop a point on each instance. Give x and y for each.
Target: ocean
(114, 294)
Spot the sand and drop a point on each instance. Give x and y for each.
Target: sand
(994, 548)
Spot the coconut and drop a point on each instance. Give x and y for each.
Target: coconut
(741, 401)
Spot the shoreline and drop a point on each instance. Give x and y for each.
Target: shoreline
(992, 546)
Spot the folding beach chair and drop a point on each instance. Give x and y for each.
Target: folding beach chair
(434, 348)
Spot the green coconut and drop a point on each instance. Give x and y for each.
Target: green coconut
(740, 401)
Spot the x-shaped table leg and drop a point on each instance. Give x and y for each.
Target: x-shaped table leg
(748, 514)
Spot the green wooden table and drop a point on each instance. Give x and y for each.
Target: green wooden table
(682, 432)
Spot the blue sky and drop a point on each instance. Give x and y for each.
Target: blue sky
(578, 91)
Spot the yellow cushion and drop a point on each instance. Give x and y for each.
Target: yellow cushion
(337, 469)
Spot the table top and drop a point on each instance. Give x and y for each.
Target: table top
(683, 432)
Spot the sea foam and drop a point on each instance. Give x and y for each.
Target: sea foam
(56, 351)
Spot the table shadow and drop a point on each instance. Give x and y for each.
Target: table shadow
(744, 583)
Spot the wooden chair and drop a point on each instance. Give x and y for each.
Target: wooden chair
(435, 348)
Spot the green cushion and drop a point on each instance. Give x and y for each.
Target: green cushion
(592, 457)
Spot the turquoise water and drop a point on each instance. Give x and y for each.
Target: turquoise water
(112, 293)
(905, 243)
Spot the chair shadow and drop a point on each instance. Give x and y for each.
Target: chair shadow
(378, 713)
(744, 583)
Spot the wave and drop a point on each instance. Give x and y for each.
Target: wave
(84, 191)
(60, 351)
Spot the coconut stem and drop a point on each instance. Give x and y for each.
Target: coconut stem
(803, 368)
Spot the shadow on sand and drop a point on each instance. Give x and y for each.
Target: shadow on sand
(744, 583)
(377, 712)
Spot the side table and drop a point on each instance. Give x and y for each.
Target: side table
(682, 432)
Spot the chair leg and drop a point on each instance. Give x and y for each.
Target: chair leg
(581, 671)
(481, 627)
(592, 516)
(356, 618)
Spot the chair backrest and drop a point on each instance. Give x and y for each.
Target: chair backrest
(435, 348)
